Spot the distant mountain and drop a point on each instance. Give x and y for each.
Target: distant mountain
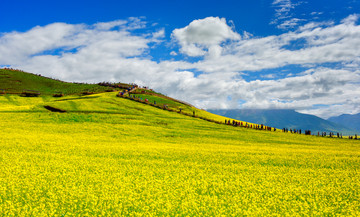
(283, 118)
(351, 121)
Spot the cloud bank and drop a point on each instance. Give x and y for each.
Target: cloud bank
(314, 68)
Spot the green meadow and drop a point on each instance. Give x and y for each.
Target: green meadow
(113, 156)
(15, 82)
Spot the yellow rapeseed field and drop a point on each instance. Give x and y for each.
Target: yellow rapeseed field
(109, 156)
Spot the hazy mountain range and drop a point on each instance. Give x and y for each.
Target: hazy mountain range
(352, 121)
(283, 118)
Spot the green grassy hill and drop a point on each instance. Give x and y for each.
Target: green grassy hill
(115, 156)
(15, 82)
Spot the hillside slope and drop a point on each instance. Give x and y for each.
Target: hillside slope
(281, 118)
(16, 81)
(144, 154)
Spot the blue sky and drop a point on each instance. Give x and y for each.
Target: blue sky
(229, 54)
(252, 16)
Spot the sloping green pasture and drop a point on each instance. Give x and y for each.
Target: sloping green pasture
(14, 81)
(160, 101)
(110, 156)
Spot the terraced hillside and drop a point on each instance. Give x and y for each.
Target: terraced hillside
(109, 156)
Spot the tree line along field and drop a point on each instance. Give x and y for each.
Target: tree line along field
(111, 156)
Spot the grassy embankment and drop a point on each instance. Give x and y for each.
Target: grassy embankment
(113, 156)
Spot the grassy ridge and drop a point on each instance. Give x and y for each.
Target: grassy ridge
(177, 106)
(14, 81)
(114, 156)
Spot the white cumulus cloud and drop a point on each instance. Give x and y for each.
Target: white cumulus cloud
(203, 34)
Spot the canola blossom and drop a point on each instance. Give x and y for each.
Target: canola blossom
(109, 156)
